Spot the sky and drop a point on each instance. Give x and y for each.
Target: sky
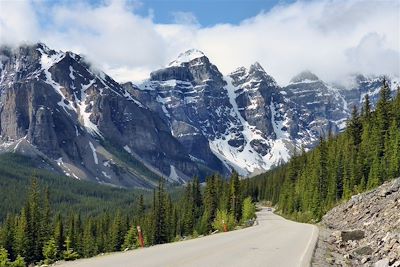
(130, 38)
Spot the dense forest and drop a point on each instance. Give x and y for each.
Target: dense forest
(363, 157)
(38, 233)
(88, 198)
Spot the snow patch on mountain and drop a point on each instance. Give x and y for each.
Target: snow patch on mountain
(71, 73)
(128, 149)
(96, 160)
(47, 62)
(186, 57)
(246, 160)
(83, 110)
(173, 175)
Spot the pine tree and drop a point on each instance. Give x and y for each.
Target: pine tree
(396, 107)
(189, 209)
(50, 251)
(7, 233)
(235, 196)
(383, 114)
(354, 127)
(366, 108)
(34, 219)
(69, 253)
(141, 208)
(46, 221)
(210, 205)
(70, 233)
(117, 234)
(89, 246)
(322, 175)
(161, 231)
(393, 151)
(58, 235)
(4, 260)
(19, 262)
(21, 242)
(78, 234)
(197, 198)
(130, 239)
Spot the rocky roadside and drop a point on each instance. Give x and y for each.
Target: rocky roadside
(365, 231)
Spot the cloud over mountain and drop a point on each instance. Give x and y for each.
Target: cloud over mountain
(331, 38)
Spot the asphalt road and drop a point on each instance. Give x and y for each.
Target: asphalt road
(274, 241)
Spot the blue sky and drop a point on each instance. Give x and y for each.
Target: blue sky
(208, 12)
(205, 12)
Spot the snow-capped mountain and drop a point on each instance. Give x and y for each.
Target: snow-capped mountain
(186, 120)
(55, 105)
(244, 119)
(325, 106)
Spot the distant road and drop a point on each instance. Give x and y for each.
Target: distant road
(274, 242)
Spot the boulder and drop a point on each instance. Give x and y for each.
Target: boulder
(352, 235)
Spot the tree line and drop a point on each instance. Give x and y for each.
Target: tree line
(363, 157)
(39, 234)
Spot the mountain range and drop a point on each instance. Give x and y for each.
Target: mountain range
(185, 120)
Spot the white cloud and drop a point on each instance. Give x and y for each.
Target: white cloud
(330, 37)
(18, 22)
(361, 55)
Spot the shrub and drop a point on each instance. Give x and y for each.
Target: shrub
(221, 218)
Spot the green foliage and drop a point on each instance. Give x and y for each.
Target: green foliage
(235, 196)
(50, 251)
(19, 262)
(4, 261)
(224, 218)
(70, 234)
(89, 246)
(130, 240)
(248, 209)
(88, 198)
(69, 254)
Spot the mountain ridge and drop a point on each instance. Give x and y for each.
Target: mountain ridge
(187, 119)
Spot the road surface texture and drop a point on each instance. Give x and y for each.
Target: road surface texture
(274, 242)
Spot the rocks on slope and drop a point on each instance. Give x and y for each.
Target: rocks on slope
(365, 231)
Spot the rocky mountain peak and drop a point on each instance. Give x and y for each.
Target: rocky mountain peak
(192, 67)
(304, 76)
(257, 73)
(256, 67)
(254, 74)
(187, 57)
(42, 46)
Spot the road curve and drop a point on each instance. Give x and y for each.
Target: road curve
(274, 241)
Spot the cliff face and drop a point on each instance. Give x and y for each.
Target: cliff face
(55, 104)
(365, 231)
